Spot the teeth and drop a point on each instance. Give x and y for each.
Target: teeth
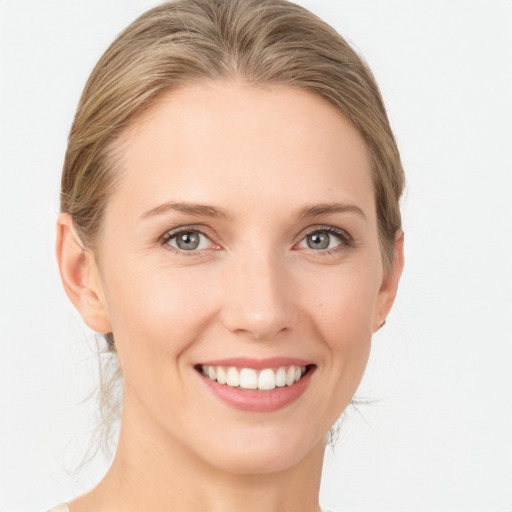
(290, 376)
(266, 379)
(281, 378)
(221, 375)
(233, 377)
(248, 378)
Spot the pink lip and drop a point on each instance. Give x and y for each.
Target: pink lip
(255, 400)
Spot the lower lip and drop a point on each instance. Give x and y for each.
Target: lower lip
(259, 401)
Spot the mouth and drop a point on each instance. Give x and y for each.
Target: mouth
(257, 385)
(251, 378)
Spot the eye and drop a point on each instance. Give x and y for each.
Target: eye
(325, 240)
(188, 240)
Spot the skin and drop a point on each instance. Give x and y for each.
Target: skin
(254, 288)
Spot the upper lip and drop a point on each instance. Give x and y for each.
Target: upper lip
(257, 364)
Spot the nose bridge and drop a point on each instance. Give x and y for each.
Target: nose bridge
(259, 294)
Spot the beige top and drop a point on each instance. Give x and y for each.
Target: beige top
(64, 508)
(60, 508)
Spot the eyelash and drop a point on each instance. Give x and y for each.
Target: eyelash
(346, 240)
(167, 237)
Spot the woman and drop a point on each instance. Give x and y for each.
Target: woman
(230, 222)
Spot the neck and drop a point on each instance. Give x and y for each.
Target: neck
(151, 472)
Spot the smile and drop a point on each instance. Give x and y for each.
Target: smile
(264, 379)
(257, 385)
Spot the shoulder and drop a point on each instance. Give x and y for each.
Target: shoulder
(64, 508)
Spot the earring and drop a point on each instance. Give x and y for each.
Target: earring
(382, 324)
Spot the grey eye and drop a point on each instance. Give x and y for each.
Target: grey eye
(322, 239)
(318, 240)
(189, 241)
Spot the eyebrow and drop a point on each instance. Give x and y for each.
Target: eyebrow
(198, 210)
(328, 208)
(203, 210)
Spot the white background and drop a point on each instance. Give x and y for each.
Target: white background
(440, 438)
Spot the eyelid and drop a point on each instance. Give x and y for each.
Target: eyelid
(346, 238)
(201, 229)
(324, 227)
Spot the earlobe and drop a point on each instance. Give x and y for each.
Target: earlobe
(79, 276)
(389, 286)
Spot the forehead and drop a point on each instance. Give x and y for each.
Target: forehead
(235, 143)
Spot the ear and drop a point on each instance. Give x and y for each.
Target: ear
(389, 286)
(79, 275)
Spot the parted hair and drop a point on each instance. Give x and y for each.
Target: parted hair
(178, 43)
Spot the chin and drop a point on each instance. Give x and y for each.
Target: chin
(264, 451)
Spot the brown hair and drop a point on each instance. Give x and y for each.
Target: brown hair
(263, 42)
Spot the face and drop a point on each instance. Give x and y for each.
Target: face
(241, 243)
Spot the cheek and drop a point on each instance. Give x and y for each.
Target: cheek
(156, 312)
(344, 300)
(342, 306)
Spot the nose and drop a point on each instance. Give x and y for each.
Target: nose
(259, 297)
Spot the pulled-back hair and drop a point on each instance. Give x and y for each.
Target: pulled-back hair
(262, 42)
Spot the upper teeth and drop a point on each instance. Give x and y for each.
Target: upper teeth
(249, 378)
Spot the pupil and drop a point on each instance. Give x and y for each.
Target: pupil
(188, 241)
(319, 240)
